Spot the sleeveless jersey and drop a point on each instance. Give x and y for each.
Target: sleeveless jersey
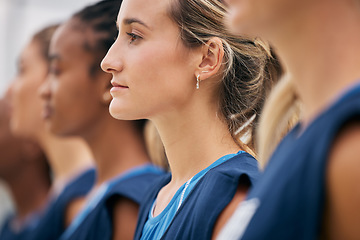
(288, 201)
(51, 225)
(196, 216)
(10, 232)
(95, 221)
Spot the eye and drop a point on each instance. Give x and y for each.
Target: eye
(133, 37)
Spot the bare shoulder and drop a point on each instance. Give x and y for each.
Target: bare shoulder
(342, 211)
(125, 214)
(225, 215)
(72, 209)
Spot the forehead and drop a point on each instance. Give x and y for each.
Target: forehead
(153, 15)
(31, 51)
(70, 38)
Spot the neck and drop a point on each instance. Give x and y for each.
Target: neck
(67, 157)
(29, 190)
(319, 50)
(117, 147)
(194, 139)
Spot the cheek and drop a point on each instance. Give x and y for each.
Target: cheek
(74, 102)
(66, 97)
(162, 66)
(241, 16)
(26, 107)
(159, 76)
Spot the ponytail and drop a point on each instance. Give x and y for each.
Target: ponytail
(280, 114)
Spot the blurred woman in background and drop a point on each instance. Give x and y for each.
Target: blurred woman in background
(77, 100)
(310, 186)
(69, 158)
(25, 170)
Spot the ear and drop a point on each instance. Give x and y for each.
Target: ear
(212, 58)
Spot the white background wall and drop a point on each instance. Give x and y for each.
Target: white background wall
(19, 19)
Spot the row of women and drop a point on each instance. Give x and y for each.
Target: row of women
(220, 84)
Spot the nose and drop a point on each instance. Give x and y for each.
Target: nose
(44, 90)
(112, 62)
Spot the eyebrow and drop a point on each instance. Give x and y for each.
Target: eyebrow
(129, 21)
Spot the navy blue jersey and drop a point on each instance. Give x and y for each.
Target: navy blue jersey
(52, 224)
(196, 217)
(95, 221)
(288, 201)
(11, 232)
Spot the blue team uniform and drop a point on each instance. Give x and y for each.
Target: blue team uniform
(50, 224)
(10, 232)
(95, 221)
(194, 209)
(288, 201)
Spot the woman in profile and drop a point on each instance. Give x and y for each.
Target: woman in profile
(77, 99)
(25, 171)
(174, 63)
(309, 189)
(69, 158)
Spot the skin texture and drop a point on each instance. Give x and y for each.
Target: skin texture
(154, 77)
(32, 71)
(174, 81)
(239, 196)
(321, 67)
(76, 104)
(11, 157)
(124, 219)
(343, 170)
(267, 16)
(69, 84)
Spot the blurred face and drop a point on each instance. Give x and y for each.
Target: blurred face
(25, 102)
(71, 94)
(261, 17)
(153, 72)
(9, 145)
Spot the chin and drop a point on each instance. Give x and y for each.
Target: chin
(16, 129)
(118, 112)
(123, 114)
(119, 115)
(22, 132)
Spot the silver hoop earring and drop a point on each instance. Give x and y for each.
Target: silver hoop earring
(198, 81)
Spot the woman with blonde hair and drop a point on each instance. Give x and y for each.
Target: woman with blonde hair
(174, 63)
(309, 189)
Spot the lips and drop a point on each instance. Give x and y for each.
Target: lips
(47, 111)
(117, 88)
(118, 85)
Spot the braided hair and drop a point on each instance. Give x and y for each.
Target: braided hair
(100, 19)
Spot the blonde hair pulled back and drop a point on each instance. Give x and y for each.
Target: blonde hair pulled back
(249, 67)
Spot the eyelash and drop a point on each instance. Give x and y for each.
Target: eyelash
(133, 37)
